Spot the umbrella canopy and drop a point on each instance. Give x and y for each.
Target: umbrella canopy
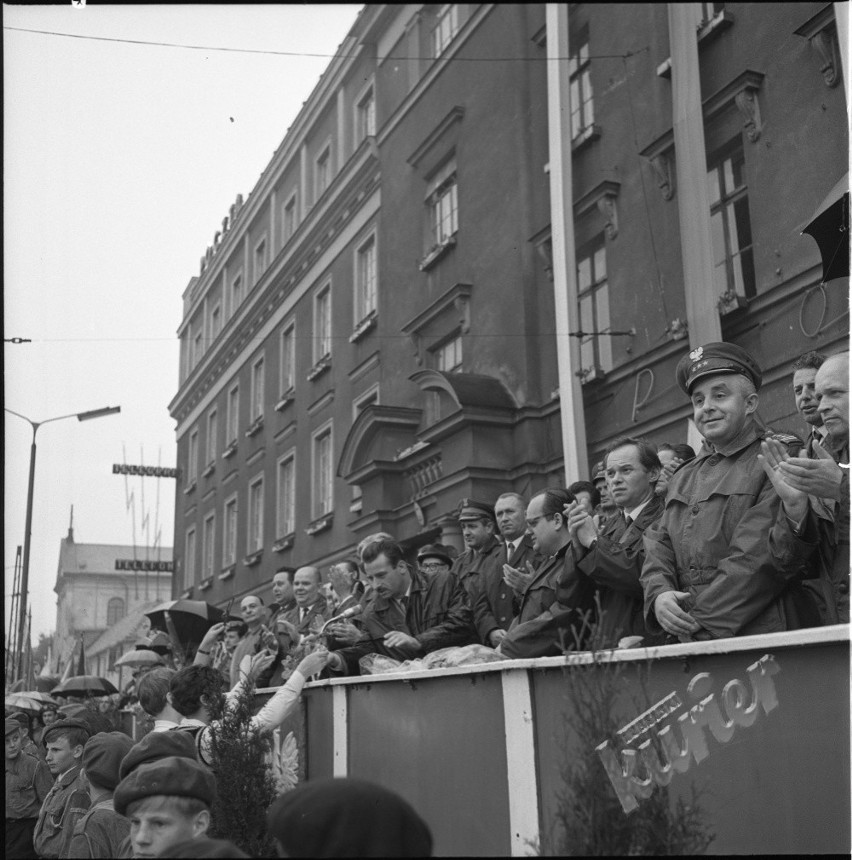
(84, 685)
(29, 700)
(191, 618)
(829, 226)
(43, 683)
(140, 657)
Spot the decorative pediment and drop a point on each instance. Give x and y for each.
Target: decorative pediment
(821, 31)
(377, 435)
(467, 390)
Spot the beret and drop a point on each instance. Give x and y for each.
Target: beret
(346, 817)
(713, 358)
(157, 745)
(69, 723)
(11, 725)
(21, 718)
(471, 509)
(434, 550)
(95, 721)
(102, 756)
(175, 776)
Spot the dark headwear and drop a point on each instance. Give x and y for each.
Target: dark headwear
(11, 725)
(175, 776)
(347, 817)
(434, 550)
(102, 756)
(599, 471)
(715, 358)
(157, 745)
(95, 721)
(71, 723)
(21, 719)
(471, 509)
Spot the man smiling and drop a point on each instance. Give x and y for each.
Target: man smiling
(719, 563)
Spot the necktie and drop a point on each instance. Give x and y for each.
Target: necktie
(302, 613)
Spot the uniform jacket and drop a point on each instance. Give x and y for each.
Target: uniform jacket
(722, 538)
(556, 611)
(438, 616)
(99, 833)
(472, 563)
(65, 804)
(318, 609)
(28, 782)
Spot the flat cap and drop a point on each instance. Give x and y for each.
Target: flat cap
(102, 757)
(471, 509)
(713, 358)
(70, 723)
(11, 725)
(347, 817)
(174, 776)
(157, 745)
(434, 550)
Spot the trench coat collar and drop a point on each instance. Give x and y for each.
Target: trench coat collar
(417, 584)
(743, 439)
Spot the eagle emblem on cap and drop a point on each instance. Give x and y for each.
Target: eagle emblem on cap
(696, 353)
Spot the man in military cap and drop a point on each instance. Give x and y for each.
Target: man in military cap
(68, 800)
(28, 782)
(722, 561)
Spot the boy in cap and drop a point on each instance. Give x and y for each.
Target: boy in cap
(27, 744)
(723, 560)
(68, 800)
(28, 782)
(100, 832)
(167, 802)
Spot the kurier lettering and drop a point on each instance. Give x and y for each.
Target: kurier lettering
(633, 784)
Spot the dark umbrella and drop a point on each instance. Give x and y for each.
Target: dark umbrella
(84, 685)
(191, 618)
(829, 226)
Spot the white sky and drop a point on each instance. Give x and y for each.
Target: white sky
(121, 161)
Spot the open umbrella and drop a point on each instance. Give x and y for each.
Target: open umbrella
(43, 683)
(29, 700)
(191, 618)
(829, 226)
(140, 657)
(84, 685)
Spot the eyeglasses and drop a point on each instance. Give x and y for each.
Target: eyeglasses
(531, 524)
(432, 566)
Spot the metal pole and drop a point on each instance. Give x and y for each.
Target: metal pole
(25, 569)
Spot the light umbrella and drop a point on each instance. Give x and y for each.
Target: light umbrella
(140, 657)
(29, 700)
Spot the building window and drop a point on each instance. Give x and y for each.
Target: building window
(236, 292)
(233, 417)
(212, 428)
(442, 200)
(254, 541)
(197, 347)
(448, 355)
(189, 559)
(215, 320)
(192, 457)
(260, 259)
(322, 172)
(446, 27)
(580, 81)
(709, 11)
(730, 225)
(285, 511)
(323, 473)
(208, 549)
(257, 387)
(290, 220)
(593, 293)
(365, 279)
(229, 544)
(322, 323)
(288, 357)
(359, 404)
(115, 611)
(365, 115)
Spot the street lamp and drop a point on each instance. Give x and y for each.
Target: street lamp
(25, 569)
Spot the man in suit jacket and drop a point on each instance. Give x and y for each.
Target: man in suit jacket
(311, 607)
(613, 560)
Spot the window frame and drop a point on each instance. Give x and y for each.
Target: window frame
(284, 528)
(597, 288)
(441, 37)
(254, 515)
(580, 85)
(257, 391)
(325, 431)
(260, 258)
(322, 170)
(212, 437)
(232, 414)
(235, 292)
(366, 299)
(365, 112)
(443, 184)
(190, 551)
(111, 617)
(321, 337)
(287, 357)
(230, 530)
(192, 456)
(290, 216)
(208, 546)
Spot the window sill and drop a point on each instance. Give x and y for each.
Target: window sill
(253, 559)
(585, 137)
(230, 450)
(205, 583)
(211, 466)
(255, 426)
(366, 324)
(320, 525)
(284, 543)
(186, 594)
(190, 487)
(706, 33)
(730, 301)
(436, 252)
(319, 368)
(286, 399)
(357, 506)
(227, 572)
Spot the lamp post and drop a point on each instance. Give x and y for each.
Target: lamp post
(25, 568)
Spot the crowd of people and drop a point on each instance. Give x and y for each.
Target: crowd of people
(748, 535)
